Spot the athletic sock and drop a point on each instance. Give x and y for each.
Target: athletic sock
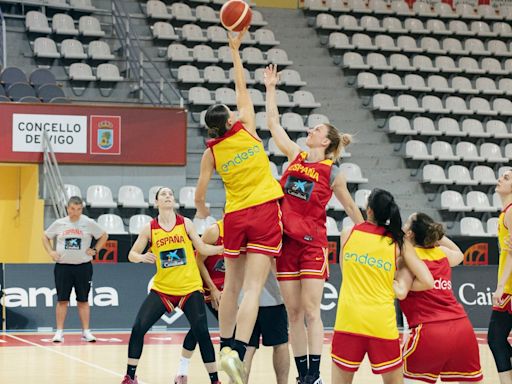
(240, 347)
(183, 366)
(214, 378)
(226, 342)
(302, 365)
(314, 366)
(130, 371)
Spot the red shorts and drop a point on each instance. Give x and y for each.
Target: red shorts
(258, 229)
(446, 349)
(171, 302)
(302, 261)
(348, 352)
(506, 304)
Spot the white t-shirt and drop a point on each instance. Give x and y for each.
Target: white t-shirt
(73, 238)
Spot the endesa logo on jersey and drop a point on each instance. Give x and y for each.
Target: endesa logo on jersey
(442, 284)
(239, 158)
(368, 260)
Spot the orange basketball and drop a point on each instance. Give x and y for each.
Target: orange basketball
(235, 15)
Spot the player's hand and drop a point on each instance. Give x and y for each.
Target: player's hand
(216, 295)
(148, 258)
(55, 256)
(497, 295)
(90, 252)
(271, 76)
(235, 40)
(202, 212)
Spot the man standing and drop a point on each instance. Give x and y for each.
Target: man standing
(72, 253)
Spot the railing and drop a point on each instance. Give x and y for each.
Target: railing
(139, 64)
(3, 41)
(53, 185)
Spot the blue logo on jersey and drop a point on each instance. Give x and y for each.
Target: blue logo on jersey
(173, 258)
(299, 188)
(73, 244)
(367, 260)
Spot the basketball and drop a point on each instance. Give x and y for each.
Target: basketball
(235, 15)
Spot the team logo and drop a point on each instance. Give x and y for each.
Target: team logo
(220, 266)
(299, 188)
(477, 254)
(106, 135)
(108, 254)
(173, 258)
(72, 244)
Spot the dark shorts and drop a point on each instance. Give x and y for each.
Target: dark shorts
(69, 276)
(271, 325)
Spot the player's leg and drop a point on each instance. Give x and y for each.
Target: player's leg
(499, 330)
(63, 285)
(82, 282)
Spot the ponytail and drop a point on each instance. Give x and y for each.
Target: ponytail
(338, 141)
(426, 231)
(216, 118)
(387, 214)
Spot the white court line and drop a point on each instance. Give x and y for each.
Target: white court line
(53, 350)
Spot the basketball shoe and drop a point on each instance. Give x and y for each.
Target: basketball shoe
(88, 336)
(128, 380)
(231, 364)
(313, 380)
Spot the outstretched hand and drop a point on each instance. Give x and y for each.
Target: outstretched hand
(271, 76)
(235, 40)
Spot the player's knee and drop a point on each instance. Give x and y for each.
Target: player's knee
(312, 314)
(295, 314)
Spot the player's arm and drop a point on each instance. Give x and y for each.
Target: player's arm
(243, 99)
(340, 190)
(507, 268)
(423, 279)
(205, 174)
(283, 141)
(210, 236)
(135, 255)
(344, 235)
(100, 243)
(452, 251)
(48, 247)
(199, 245)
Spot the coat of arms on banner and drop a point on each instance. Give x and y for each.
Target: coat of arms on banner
(105, 135)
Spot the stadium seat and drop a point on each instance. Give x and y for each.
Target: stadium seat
(400, 125)
(393, 25)
(443, 151)
(48, 92)
(71, 49)
(112, 223)
(352, 173)
(347, 224)
(204, 54)
(63, 24)
(205, 14)
(417, 150)
(72, 190)
(466, 11)
(460, 175)
(265, 37)
(305, 99)
(361, 198)
(45, 48)
(450, 127)
(202, 224)
(334, 204)
(200, 96)
(215, 76)
(293, 122)
(332, 227)
(99, 50)
(178, 53)
(181, 13)
(89, 26)
(137, 222)
(316, 118)
(188, 74)
(130, 196)
(467, 151)
(81, 72)
(261, 121)
(107, 72)
(492, 226)
(416, 83)
(452, 201)
(253, 57)
(226, 96)
(479, 202)
(434, 174)
(82, 6)
(186, 197)
(17, 91)
(444, 10)
(278, 56)
(40, 77)
(162, 30)
(484, 175)
(274, 170)
(474, 128)
(37, 23)
(273, 149)
(393, 82)
(401, 8)
(100, 196)
(471, 226)
(193, 34)
(492, 153)
(11, 75)
(156, 9)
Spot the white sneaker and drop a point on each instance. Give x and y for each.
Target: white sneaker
(88, 336)
(58, 337)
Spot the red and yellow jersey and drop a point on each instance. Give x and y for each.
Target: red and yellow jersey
(366, 305)
(504, 234)
(307, 188)
(215, 264)
(177, 273)
(243, 165)
(438, 303)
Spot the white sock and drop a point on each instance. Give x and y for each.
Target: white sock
(60, 331)
(86, 330)
(183, 366)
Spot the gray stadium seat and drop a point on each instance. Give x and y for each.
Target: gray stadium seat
(265, 37)
(99, 50)
(484, 175)
(40, 77)
(215, 76)
(89, 26)
(443, 151)
(17, 91)
(417, 150)
(191, 33)
(45, 48)
(107, 72)
(178, 53)
(203, 53)
(305, 99)
(182, 13)
(81, 72)
(188, 74)
(199, 96)
(37, 23)
(11, 75)
(156, 9)
(48, 92)
(444, 10)
(278, 56)
(63, 24)
(452, 201)
(216, 35)
(164, 31)
(205, 14)
(71, 49)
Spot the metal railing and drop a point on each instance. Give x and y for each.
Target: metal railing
(53, 185)
(139, 65)
(3, 41)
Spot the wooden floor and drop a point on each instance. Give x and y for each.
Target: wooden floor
(32, 358)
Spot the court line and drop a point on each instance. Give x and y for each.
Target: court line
(69, 357)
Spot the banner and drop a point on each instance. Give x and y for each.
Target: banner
(119, 290)
(94, 134)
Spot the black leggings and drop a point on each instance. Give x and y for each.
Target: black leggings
(499, 329)
(190, 341)
(152, 309)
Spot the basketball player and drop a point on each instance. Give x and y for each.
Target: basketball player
(501, 318)
(308, 184)
(366, 319)
(439, 324)
(252, 214)
(177, 281)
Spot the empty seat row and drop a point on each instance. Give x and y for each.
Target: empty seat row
(456, 175)
(26, 93)
(37, 78)
(200, 96)
(71, 49)
(476, 201)
(394, 26)
(453, 105)
(402, 8)
(179, 54)
(63, 24)
(76, 6)
(104, 72)
(393, 83)
(464, 151)
(421, 63)
(472, 226)
(339, 42)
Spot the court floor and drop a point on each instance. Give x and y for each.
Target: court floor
(33, 358)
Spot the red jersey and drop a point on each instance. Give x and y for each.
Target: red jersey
(438, 303)
(215, 264)
(307, 190)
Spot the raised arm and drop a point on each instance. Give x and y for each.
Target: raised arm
(283, 141)
(452, 251)
(243, 99)
(197, 242)
(507, 268)
(205, 174)
(136, 255)
(423, 279)
(210, 236)
(340, 190)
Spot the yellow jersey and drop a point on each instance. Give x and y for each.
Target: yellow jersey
(243, 165)
(503, 234)
(177, 273)
(366, 305)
